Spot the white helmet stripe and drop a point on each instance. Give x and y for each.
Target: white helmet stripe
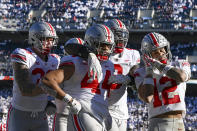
(108, 33)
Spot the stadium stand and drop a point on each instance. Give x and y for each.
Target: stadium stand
(71, 14)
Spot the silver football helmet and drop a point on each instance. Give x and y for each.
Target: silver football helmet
(38, 34)
(153, 41)
(74, 41)
(121, 34)
(97, 36)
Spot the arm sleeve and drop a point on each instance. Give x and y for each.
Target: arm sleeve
(79, 50)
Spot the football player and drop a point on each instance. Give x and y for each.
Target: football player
(86, 97)
(162, 84)
(125, 62)
(60, 118)
(27, 110)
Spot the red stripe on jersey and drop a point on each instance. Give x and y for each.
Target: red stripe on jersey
(66, 63)
(77, 123)
(154, 39)
(108, 33)
(28, 52)
(51, 27)
(18, 56)
(80, 41)
(119, 23)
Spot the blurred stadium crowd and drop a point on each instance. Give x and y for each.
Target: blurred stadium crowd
(72, 14)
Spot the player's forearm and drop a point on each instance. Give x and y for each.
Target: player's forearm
(146, 91)
(53, 88)
(23, 81)
(29, 89)
(34, 92)
(177, 74)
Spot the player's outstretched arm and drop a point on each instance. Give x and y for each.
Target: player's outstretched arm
(51, 81)
(173, 72)
(23, 80)
(56, 77)
(178, 74)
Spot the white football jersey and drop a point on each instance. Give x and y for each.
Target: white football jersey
(37, 69)
(168, 94)
(91, 94)
(118, 97)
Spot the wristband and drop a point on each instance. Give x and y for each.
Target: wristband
(166, 68)
(67, 98)
(148, 81)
